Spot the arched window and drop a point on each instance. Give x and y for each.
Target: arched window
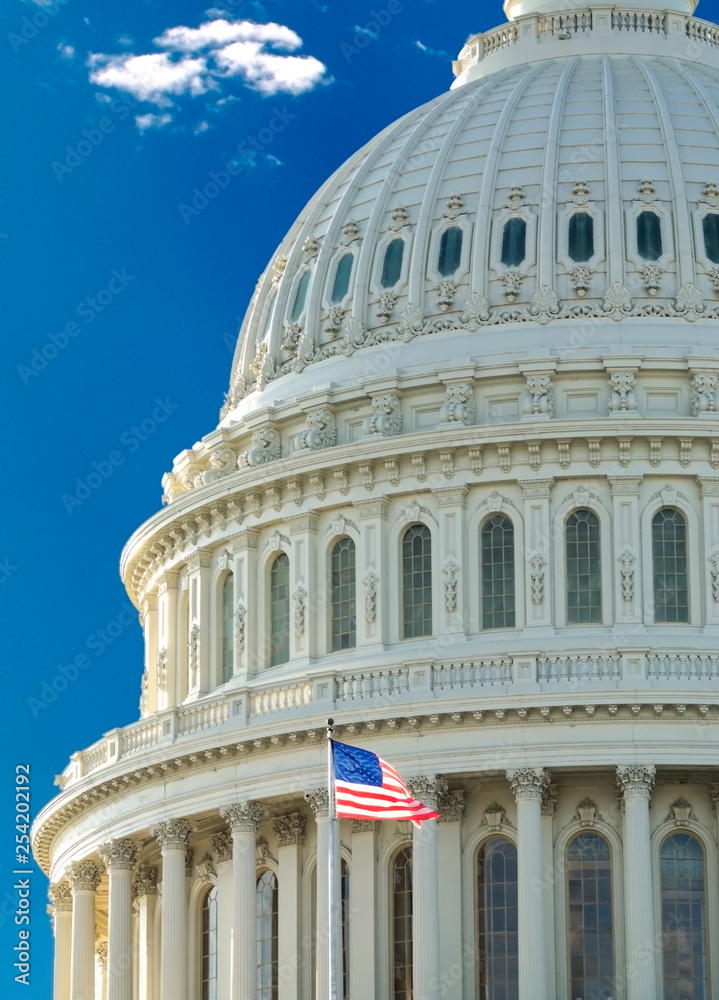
(402, 925)
(417, 581)
(514, 242)
(228, 600)
(584, 573)
(684, 928)
(344, 603)
(498, 573)
(671, 579)
(710, 224)
(267, 913)
(497, 920)
(209, 945)
(392, 265)
(342, 277)
(590, 928)
(649, 236)
(280, 610)
(581, 237)
(300, 297)
(450, 251)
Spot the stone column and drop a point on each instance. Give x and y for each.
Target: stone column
(549, 805)
(84, 878)
(244, 819)
(61, 898)
(363, 902)
(372, 605)
(528, 785)
(635, 784)
(449, 853)
(319, 800)
(101, 954)
(222, 844)
(174, 836)
(119, 857)
(290, 831)
(452, 504)
(425, 892)
(244, 549)
(145, 893)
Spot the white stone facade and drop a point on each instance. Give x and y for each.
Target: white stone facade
(555, 679)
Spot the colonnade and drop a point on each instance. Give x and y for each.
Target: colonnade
(129, 967)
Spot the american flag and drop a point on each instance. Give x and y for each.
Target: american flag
(366, 787)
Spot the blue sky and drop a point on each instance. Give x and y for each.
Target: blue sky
(121, 293)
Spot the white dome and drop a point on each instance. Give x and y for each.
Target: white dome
(586, 111)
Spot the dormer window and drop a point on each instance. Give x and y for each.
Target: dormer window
(342, 277)
(450, 251)
(300, 297)
(392, 265)
(710, 224)
(649, 236)
(514, 242)
(581, 237)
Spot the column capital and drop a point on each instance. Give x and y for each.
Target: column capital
(714, 793)
(243, 817)
(636, 780)
(118, 855)
(536, 489)
(84, 876)
(365, 826)
(101, 950)
(319, 799)
(222, 843)
(428, 789)
(173, 834)
(375, 507)
(452, 496)
(199, 559)
(549, 800)
(145, 882)
(528, 782)
(290, 829)
(451, 807)
(60, 895)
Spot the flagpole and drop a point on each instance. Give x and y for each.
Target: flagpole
(332, 880)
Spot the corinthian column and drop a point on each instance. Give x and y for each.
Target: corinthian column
(144, 892)
(425, 892)
(61, 898)
(319, 800)
(635, 784)
(84, 878)
(119, 857)
(244, 820)
(173, 835)
(528, 785)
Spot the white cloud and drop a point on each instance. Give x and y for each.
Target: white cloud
(214, 34)
(145, 122)
(200, 128)
(151, 78)
(440, 53)
(66, 51)
(270, 74)
(365, 31)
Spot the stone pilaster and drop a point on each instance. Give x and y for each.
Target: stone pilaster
(244, 821)
(84, 878)
(538, 552)
(372, 598)
(199, 583)
(173, 836)
(549, 806)
(119, 857)
(363, 900)
(626, 569)
(425, 891)
(244, 551)
(319, 800)
(452, 504)
(449, 854)
(60, 895)
(144, 891)
(710, 520)
(167, 658)
(149, 619)
(303, 585)
(290, 831)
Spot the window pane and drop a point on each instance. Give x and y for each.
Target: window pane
(684, 931)
(209, 945)
(711, 236)
(514, 242)
(402, 924)
(280, 610)
(450, 251)
(344, 605)
(342, 277)
(649, 236)
(228, 598)
(581, 237)
(417, 575)
(301, 297)
(498, 573)
(497, 920)
(671, 581)
(584, 576)
(590, 918)
(392, 266)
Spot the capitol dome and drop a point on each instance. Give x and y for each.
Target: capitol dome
(495, 562)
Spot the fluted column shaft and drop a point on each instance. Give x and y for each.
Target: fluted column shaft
(635, 785)
(290, 831)
(119, 857)
(145, 892)
(84, 878)
(244, 819)
(61, 896)
(173, 836)
(425, 893)
(528, 785)
(319, 801)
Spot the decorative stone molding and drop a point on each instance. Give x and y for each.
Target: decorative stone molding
(651, 275)
(266, 447)
(263, 367)
(705, 393)
(539, 399)
(300, 597)
(451, 807)
(512, 281)
(387, 418)
(274, 495)
(318, 483)
(263, 852)
(459, 407)
(118, 855)
(627, 560)
(714, 570)
(537, 565)
(446, 289)
(392, 467)
(504, 452)
(144, 882)
(321, 433)
(581, 277)
(194, 652)
(451, 583)
(385, 302)
(420, 467)
(319, 799)
(173, 834)
(623, 392)
(545, 305)
(690, 302)
(222, 844)
(366, 470)
(296, 488)
(447, 460)
(428, 789)
(618, 301)
(101, 951)
(587, 813)
(371, 584)
(476, 460)
(342, 478)
(549, 800)
(189, 860)
(244, 817)
(206, 868)
(476, 312)
(714, 795)
(240, 625)
(680, 812)
(60, 895)
(290, 830)
(365, 826)
(495, 817)
(83, 876)
(636, 779)
(528, 782)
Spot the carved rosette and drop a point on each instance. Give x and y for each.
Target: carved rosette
(222, 843)
(290, 830)
(319, 800)
(636, 780)
(144, 882)
(118, 855)
(429, 790)
(84, 876)
(528, 782)
(173, 834)
(244, 817)
(60, 895)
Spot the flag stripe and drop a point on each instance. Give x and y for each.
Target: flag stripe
(390, 800)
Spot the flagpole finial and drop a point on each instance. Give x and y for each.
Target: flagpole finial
(330, 726)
